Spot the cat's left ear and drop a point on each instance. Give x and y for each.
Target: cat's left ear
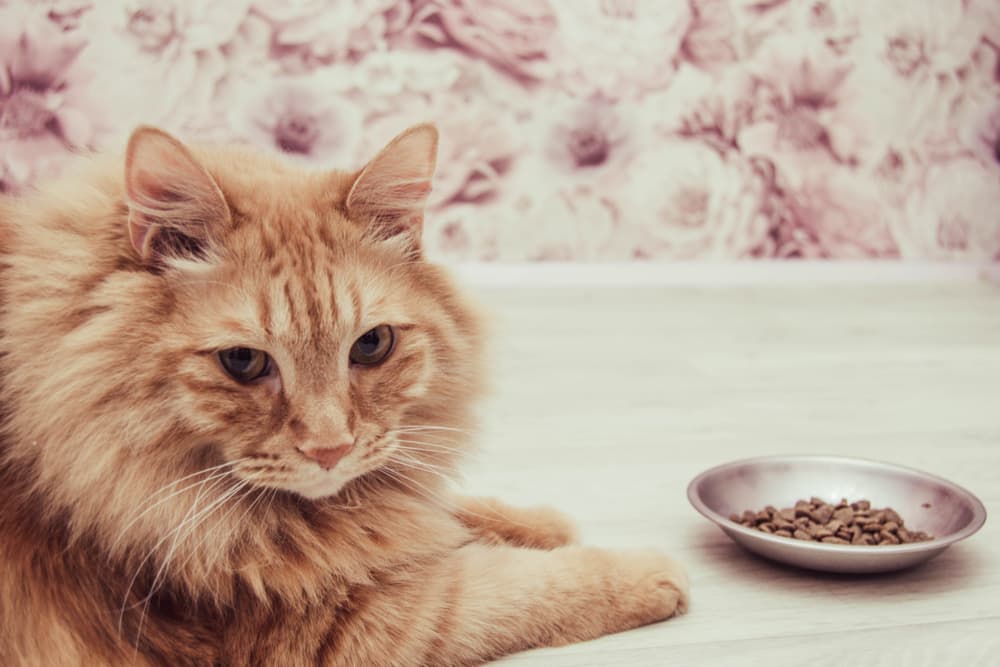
(174, 203)
(391, 191)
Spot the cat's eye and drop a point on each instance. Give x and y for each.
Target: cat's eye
(245, 364)
(373, 346)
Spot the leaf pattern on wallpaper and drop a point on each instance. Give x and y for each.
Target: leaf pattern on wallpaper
(571, 129)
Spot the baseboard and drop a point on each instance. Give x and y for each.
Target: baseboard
(723, 274)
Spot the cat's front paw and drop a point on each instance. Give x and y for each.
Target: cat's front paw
(544, 528)
(655, 586)
(533, 527)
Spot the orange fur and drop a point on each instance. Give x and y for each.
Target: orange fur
(153, 511)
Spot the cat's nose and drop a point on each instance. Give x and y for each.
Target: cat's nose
(327, 457)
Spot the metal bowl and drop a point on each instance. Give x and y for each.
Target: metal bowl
(927, 503)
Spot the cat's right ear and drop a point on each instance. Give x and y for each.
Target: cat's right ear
(173, 202)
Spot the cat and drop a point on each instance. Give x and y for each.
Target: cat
(230, 394)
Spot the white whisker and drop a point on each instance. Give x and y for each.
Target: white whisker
(181, 532)
(216, 475)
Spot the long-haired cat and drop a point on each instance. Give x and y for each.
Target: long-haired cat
(230, 392)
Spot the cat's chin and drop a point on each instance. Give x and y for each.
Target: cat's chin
(318, 489)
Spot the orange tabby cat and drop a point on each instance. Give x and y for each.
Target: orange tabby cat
(228, 390)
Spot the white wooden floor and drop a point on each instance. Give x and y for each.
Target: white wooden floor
(608, 401)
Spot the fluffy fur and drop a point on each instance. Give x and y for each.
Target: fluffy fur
(153, 511)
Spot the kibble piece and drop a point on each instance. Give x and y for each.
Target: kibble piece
(888, 538)
(821, 514)
(834, 540)
(861, 505)
(788, 514)
(845, 514)
(802, 535)
(783, 533)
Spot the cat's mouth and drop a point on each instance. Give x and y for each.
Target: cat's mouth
(316, 475)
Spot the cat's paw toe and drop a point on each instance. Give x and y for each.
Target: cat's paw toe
(660, 586)
(548, 529)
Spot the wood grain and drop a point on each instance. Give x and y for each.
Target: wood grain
(608, 401)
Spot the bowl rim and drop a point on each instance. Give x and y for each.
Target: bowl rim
(978, 508)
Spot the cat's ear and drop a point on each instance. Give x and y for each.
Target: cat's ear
(173, 202)
(390, 192)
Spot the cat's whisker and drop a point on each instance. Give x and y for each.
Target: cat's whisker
(216, 475)
(238, 522)
(181, 532)
(450, 505)
(424, 454)
(423, 466)
(421, 490)
(190, 523)
(215, 481)
(436, 446)
(429, 427)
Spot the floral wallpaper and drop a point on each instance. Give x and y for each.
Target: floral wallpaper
(571, 129)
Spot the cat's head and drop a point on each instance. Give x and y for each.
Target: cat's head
(308, 340)
(234, 312)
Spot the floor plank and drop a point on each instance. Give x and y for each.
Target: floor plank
(608, 401)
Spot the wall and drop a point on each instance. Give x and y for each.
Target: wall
(572, 129)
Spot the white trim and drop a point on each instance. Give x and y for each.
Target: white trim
(723, 274)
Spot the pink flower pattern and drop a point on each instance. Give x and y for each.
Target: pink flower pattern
(584, 130)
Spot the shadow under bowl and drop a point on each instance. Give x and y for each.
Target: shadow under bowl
(925, 502)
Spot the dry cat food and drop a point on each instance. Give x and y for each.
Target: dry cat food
(844, 523)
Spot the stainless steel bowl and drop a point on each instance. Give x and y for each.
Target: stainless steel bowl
(927, 503)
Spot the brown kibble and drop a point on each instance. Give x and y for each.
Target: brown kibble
(812, 520)
(845, 514)
(821, 514)
(888, 538)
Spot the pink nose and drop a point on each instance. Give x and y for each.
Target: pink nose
(327, 457)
